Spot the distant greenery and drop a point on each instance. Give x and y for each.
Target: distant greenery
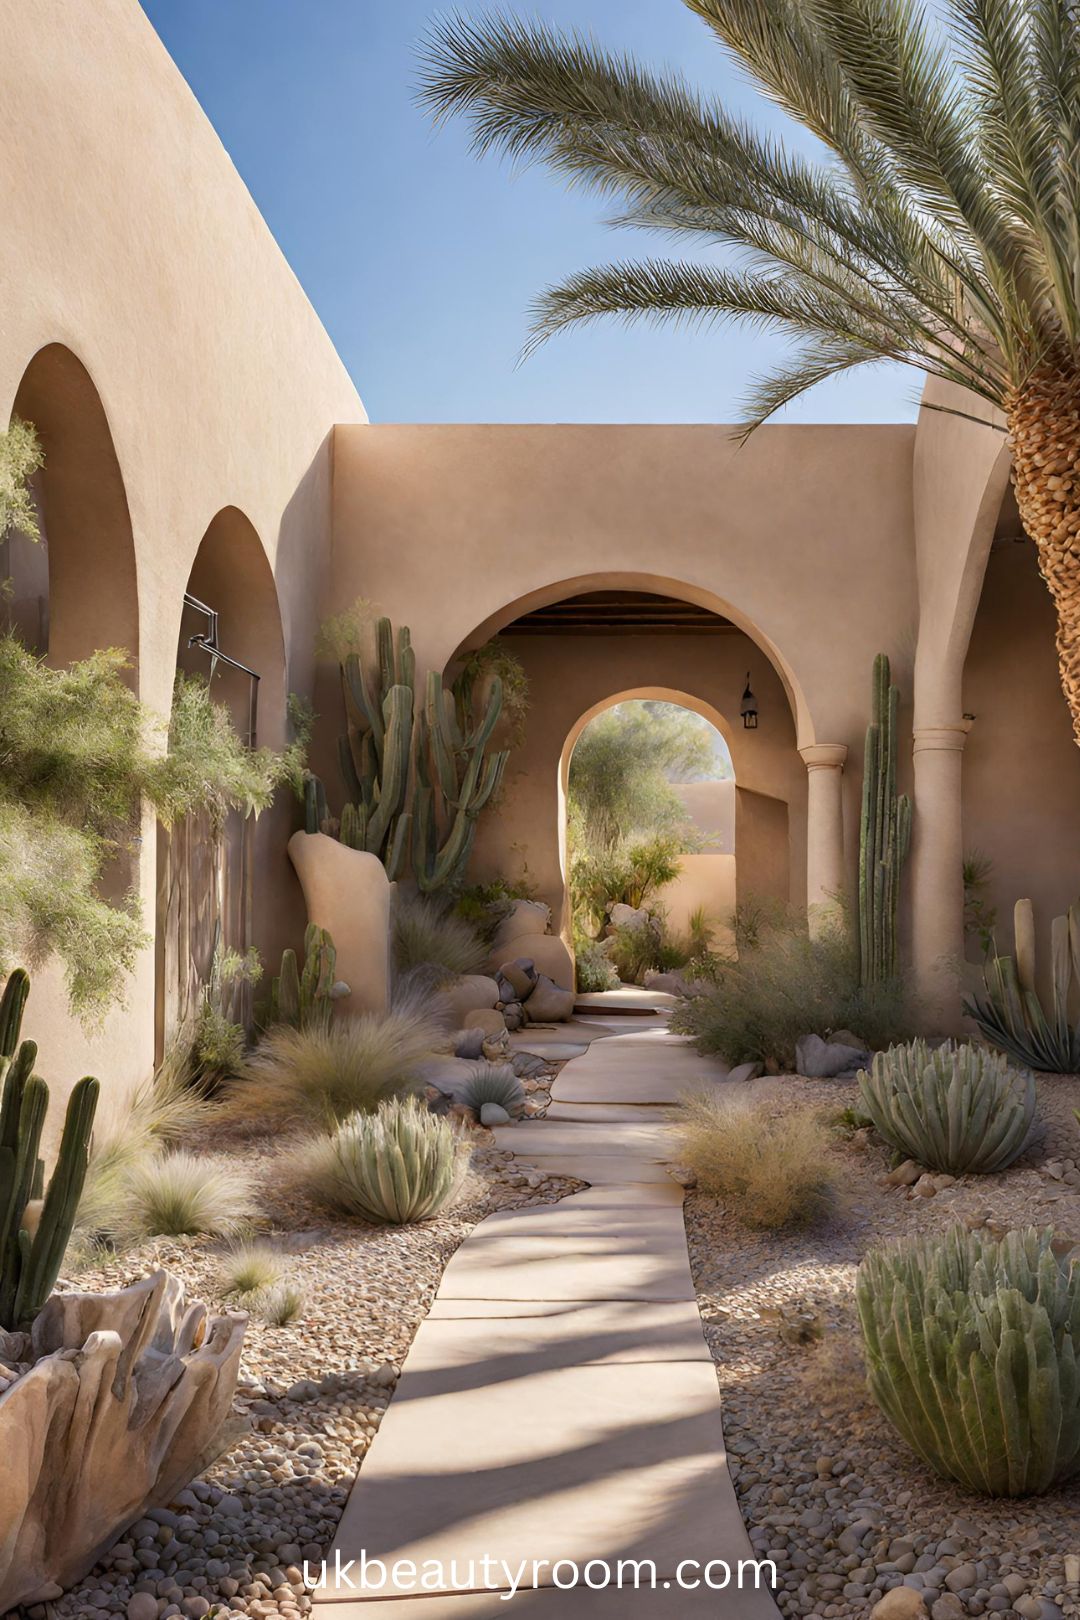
(623, 766)
(21, 456)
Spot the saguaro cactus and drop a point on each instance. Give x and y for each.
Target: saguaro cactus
(30, 1264)
(884, 834)
(304, 998)
(455, 779)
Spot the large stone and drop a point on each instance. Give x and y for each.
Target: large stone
(524, 917)
(902, 1603)
(549, 1004)
(822, 1060)
(623, 916)
(548, 954)
(520, 975)
(121, 1410)
(488, 1019)
(348, 893)
(467, 994)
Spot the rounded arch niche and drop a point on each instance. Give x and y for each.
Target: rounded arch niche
(79, 590)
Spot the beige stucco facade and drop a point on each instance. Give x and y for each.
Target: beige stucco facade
(203, 435)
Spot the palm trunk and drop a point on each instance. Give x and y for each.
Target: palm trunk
(1044, 430)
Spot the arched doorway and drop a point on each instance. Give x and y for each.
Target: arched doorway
(585, 642)
(213, 880)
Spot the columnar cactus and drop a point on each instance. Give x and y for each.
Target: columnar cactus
(1010, 1012)
(973, 1353)
(416, 776)
(399, 1164)
(305, 998)
(956, 1108)
(884, 835)
(30, 1260)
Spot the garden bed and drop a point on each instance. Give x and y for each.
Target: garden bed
(313, 1393)
(827, 1488)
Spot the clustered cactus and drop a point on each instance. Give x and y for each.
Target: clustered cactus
(33, 1243)
(973, 1353)
(304, 998)
(1010, 1012)
(417, 778)
(884, 834)
(399, 1164)
(957, 1108)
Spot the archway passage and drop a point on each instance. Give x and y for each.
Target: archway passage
(583, 650)
(216, 882)
(79, 591)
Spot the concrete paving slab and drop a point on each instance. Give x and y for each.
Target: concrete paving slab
(539, 1138)
(614, 1113)
(666, 1602)
(507, 1339)
(627, 996)
(579, 1030)
(606, 1171)
(593, 1462)
(580, 1268)
(621, 1220)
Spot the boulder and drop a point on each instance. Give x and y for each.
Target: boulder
(823, 1060)
(548, 954)
(467, 994)
(670, 984)
(125, 1404)
(549, 1003)
(623, 916)
(513, 1014)
(469, 1043)
(520, 975)
(524, 917)
(489, 1019)
(746, 1071)
(902, 1603)
(348, 893)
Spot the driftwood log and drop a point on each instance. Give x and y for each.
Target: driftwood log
(121, 1407)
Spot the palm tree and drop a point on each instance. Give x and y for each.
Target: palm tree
(939, 226)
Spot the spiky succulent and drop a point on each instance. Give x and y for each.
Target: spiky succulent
(972, 1353)
(399, 1164)
(955, 1107)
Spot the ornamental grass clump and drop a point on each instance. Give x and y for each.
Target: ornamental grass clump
(190, 1194)
(426, 934)
(956, 1107)
(494, 1083)
(972, 1353)
(397, 1165)
(772, 1170)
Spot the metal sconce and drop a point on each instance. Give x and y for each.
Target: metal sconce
(748, 707)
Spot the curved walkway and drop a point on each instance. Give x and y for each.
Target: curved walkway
(559, 1401)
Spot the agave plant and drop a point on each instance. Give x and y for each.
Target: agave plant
(495, 1083)
(973, 1353)
(1010, 1012)
(939, 227)
(399, 1164)
(956, 1107)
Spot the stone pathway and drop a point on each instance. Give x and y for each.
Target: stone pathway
(559, 1401)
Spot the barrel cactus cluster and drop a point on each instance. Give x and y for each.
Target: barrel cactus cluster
(973, 1353)
(400, 1164)
(304, 997)
(884, 834)
(956, 1107)
(1010, 1011)
(417, 772)
(35, 1221)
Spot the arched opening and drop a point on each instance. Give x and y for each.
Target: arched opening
(584, 644)
(77, 589)
(647, 821)
(215, 882)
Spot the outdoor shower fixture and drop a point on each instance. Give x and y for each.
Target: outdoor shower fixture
(748, 707)
(208, 641)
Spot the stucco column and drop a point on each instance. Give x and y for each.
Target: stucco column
(937, 857)
(825, 875)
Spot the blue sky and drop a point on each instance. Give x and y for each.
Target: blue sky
(422, 261)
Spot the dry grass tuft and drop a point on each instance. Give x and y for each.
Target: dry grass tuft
(184, 1193)
(772, 1171)
(251, 1268)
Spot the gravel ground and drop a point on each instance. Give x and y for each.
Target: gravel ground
(827, 1488)
(311, 1399)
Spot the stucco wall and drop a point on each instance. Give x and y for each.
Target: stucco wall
(130, 239)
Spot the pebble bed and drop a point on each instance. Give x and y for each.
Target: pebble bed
(828, 1489)
(311, 1399)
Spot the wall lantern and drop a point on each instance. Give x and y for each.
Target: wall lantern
(748, 707)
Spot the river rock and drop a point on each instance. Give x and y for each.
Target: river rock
(902, 1603)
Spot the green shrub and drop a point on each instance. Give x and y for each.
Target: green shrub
(327, 1074)
(625, 873)
(785, 984)
(971, 1354)
(956, 1108)
(772, 1170)
(251, 1269)
(396, 1165)
(485, 905)
(426, 934)
(495, 1083)
(636, 950)
(189, 1193)
(21, 456)
(595, 970)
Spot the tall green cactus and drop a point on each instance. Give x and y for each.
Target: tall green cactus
(304, 998)
(973, 1353)
(416, 775)
(1010, 1012)
(30, 1265)
(884, 834)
